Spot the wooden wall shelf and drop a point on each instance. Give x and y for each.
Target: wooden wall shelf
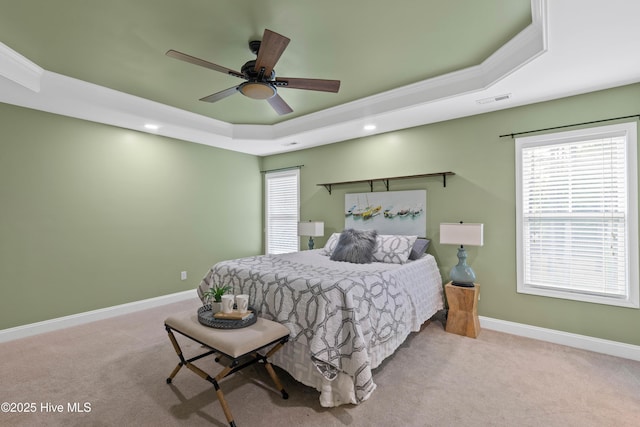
(444, 175)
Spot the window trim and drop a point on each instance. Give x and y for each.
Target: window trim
(632, 299)
(277, 174)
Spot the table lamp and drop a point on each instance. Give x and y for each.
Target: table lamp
(311, 229)
(462, 234)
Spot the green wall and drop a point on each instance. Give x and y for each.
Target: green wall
(483, 190)
(93, 216)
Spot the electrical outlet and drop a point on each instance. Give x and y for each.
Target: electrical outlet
(183, 275)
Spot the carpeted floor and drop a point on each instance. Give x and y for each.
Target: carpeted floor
(114, 371)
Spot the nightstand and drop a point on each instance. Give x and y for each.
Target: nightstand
(462, 318)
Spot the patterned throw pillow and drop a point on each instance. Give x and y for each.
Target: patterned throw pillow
(355, 246)
(393, 249)
(332, 241)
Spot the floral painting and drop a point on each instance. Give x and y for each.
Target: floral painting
(388, 212)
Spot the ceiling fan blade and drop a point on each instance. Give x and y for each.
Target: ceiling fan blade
(201, 62)
(279, 105)
(220, 95)
(271, 48)
(309, 84)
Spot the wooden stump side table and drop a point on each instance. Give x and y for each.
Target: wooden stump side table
(462, 318)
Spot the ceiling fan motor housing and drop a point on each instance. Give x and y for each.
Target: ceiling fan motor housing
(257, 86)
(250, 72)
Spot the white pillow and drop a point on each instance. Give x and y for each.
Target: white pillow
(393, 249)
(331, 244)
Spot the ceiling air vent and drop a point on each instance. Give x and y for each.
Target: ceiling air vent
(494, 99)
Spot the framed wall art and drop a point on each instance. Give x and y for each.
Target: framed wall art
(388, 212)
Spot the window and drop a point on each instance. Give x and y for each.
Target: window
(282, 211)
(577, 215)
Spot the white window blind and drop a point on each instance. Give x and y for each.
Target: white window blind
(577, 215)
(282, 211)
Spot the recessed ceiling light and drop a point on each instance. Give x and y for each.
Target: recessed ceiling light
(370, 127)
(151, 126)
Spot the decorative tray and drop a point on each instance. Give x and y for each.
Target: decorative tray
(205, 317)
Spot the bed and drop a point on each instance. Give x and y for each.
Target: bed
(345, 318)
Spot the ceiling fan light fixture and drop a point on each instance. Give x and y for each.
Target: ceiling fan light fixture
(257, 90)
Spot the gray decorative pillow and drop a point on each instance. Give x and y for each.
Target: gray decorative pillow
(419, 248)
(331, 244)
(355, 246)
(393, 249)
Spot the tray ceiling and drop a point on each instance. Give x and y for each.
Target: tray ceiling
(421, 62)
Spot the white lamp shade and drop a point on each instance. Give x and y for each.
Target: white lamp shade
(461, 234)
(311, 228)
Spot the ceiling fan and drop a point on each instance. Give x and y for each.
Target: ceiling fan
(260, 77)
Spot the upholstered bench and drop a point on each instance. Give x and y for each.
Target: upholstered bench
(240, 348)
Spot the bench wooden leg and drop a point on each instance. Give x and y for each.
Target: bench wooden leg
(178, 350)
(221, 399)
(225, 406)
(276, 380)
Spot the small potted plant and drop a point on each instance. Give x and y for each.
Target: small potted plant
(213, 296)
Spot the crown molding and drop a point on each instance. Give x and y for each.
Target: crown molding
(526, 46)
(19, 69)
(64, 95)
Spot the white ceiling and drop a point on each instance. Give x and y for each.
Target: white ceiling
(571, 47)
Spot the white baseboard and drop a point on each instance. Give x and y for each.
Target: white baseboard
(91, 316)
(612, 348)
(597, 345)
